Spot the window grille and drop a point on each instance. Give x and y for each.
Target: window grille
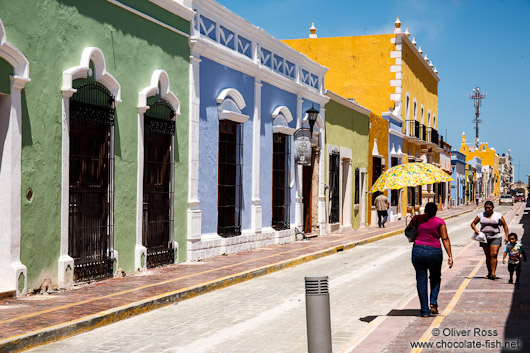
(280, 182)
(334, 161)
(357, 184)
(91, 175)
(157, 217)
(229, 179)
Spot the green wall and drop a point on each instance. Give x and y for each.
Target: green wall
(53, 41)
(348, 128)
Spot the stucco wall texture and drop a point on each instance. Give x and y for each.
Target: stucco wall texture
(53, 40)
(421, 85)
(359, 67)
(348, 128)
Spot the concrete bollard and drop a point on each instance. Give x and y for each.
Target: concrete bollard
(317, 314)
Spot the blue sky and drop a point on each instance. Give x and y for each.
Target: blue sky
(484, 43)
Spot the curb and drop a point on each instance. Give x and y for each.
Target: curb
(87, 323)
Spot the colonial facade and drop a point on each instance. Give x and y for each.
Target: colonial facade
(249, 93)
(458, 185)
(347, 125)
(94, 135)
(403, 89)
(489, 158)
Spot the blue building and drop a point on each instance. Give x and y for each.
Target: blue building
(458, 185)
(248, 94)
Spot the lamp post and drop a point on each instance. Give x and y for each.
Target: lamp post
(312, 115)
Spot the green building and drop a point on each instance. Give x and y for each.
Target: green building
(93, 135)
(347, 125)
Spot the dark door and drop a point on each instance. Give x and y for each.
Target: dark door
(229, 179)
(157, 216)
(280, 182)
(90, 215)
(307, 194)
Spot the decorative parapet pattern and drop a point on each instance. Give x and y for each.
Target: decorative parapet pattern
(241, 41)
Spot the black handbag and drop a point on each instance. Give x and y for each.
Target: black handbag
(410, 231)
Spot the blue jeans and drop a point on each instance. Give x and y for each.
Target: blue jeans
(427, 258)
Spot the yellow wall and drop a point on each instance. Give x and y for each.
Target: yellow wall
(418, 81)
(359, 67)
(488, 156)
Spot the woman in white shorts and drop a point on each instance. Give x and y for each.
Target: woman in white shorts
(490, 223)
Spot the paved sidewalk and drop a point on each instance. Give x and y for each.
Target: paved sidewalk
(35, 320)
(477, 314)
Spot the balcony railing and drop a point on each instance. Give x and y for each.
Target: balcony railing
(413, 128)
(434, 136)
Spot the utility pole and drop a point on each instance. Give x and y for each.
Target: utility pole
(477, 98)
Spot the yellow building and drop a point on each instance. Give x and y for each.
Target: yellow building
(489, 157)
(385, 73)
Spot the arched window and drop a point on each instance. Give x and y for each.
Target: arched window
(159, 132)
(90, 94)
(230, 167)
(281, 157)
(90, 227)
(158, 109)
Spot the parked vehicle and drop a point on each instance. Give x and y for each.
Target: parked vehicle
(506, 199)
(519, 196)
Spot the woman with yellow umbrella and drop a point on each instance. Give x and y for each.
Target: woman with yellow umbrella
(426, 253)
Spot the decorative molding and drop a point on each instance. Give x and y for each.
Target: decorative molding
(403, 38)
(346, 102)
(159, 78)
(83, 71)
(159, 85)
(149, 18)
(283, 130)
(237, 61)
(12, 269)
(13, 56)
(181, 8)
(94, 55)
(233, 116)
(283, 110)
(234, 94)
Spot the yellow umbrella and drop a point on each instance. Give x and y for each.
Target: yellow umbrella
(410, 174)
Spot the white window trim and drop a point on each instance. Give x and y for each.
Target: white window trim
(100, 75)
(233, 116)
(407, 106)
(286, 113)
(160, 84)
(11, 221)
(415, 109)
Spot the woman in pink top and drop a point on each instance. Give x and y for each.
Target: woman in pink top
(427, 256)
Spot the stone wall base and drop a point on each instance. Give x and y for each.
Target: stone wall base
(211, 245)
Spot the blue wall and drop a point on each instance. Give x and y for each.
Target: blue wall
(213, 79)
(271, 98)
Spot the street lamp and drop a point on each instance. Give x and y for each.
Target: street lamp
(312, 115)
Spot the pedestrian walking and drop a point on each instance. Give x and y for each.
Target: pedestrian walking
(490, 222)
(381, 205)
(427, 256)
(477, 198)
(515, 251)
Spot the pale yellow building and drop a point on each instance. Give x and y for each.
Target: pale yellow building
(489, 157)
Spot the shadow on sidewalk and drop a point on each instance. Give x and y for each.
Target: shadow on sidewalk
(393, 312)
(517, 327)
